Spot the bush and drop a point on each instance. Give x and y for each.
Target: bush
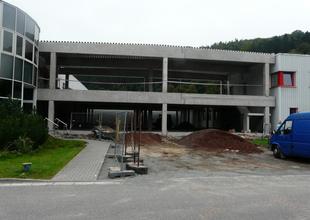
(16, 127)
(22, 145)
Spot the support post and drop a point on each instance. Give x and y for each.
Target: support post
(246, 123)
(150, 81)
(51, 114)
(52, 82)
(164, 120)
(266, 79)
(165, 75)
(267, 126)
(150, 120)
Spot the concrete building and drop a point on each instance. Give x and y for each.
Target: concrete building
(190, 87)
(19, 55)
(176, 88)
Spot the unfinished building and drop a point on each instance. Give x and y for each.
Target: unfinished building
(177, 88)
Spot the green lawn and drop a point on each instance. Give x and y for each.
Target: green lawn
(52, 156)
(261, 142)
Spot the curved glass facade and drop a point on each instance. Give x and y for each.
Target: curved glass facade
(19, 39)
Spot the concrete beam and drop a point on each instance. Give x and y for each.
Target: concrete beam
(155, 51)
(154, 98)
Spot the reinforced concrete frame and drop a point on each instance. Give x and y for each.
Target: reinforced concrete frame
(164, 98)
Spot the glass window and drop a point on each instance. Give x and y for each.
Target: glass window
(30, 28)
(286, 127)
(36, 35)
(28, 72)
(36, 54)
(288, 78)
(274, 80)
(6, 69)
(35, 74)
(5, 88)
(17, 90)
(28, 94)
(9, 14)
(8, 41)
(18, 74)
(19, 46)
(293, 110)
(29, 51)
(20, 22)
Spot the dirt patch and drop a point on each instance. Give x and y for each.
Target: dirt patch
(146, 138)
(218, 141)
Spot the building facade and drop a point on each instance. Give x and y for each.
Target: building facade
(290, 84)
(19, 55)
(176, 88)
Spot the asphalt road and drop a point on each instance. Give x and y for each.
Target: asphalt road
(190, 197)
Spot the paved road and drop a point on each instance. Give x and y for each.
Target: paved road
(213, 197)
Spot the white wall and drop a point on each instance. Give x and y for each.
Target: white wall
(298, 97)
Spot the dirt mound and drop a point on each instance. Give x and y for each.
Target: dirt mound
(146, 138)
(219, 141)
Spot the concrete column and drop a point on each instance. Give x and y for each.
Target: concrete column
(165, 75)
(267, 126)
(266, 79)
(246, 122)
(51, 114)
(150, 80)
(150, 120)
(164, 120)
(52, 71)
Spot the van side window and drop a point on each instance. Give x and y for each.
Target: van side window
(286, 127)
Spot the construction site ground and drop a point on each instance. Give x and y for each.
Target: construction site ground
(166, 158)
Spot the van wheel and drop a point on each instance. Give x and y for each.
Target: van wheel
(277, 153)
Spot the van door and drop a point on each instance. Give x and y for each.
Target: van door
(284, 137)
(301, 138)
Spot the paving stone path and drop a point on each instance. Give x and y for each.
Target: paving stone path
(86, 165)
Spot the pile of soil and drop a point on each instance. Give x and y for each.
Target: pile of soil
(219, 141)
(146, 138)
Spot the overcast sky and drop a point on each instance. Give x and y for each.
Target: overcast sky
(174, 22)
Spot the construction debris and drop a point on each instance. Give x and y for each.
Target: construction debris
(218, 141)
(145, 138)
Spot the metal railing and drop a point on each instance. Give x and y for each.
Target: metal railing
(65, 125)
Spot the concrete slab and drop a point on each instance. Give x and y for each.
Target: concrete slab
(141, 169)
(86, 165)
(115, 172)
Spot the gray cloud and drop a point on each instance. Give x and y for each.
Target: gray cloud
(177, 22)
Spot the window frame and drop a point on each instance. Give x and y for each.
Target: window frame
(280, 80)
(283, 130)
(12, 41)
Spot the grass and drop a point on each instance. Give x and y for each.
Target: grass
(261, 142)
(51, 157)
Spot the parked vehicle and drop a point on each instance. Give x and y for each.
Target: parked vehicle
(292, 138)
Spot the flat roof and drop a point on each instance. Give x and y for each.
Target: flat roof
(153, 50)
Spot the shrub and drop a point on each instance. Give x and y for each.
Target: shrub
(22, 145)
(17, 126)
